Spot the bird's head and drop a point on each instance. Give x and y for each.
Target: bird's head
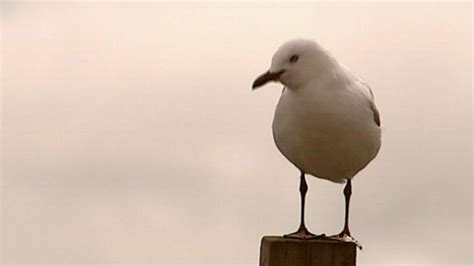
(295, 63)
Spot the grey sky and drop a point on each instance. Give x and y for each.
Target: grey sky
(130, 133)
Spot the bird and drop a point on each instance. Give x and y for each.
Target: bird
(326, 122)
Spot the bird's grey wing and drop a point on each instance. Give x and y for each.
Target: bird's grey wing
(374, 109)
(376, 113)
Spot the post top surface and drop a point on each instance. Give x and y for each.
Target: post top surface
(276, 239)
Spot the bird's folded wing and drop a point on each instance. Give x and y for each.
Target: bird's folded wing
(376, 113)
(371, 100)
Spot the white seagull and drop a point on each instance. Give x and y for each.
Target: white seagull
(325, 123)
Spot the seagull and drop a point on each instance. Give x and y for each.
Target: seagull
(325, 123)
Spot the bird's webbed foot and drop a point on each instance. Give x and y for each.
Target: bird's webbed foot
(345, 237)
(304, 234)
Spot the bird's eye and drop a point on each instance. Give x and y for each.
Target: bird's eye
(294, 58)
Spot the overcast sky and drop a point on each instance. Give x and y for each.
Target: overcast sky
(131, 135)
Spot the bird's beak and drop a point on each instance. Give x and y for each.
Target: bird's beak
(266, 77)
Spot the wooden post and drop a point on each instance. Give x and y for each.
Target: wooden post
(282, 251)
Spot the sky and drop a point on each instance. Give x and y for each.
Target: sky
(130, 134)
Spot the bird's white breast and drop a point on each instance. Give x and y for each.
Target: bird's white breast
(327, 129)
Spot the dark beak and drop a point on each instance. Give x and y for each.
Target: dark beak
(266, 77)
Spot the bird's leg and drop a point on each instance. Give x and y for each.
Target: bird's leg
(345, 235)
(347, 196)
(302, 232)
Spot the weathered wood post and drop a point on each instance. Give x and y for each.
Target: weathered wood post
(282, 251)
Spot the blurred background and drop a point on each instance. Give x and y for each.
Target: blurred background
(130, 133)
